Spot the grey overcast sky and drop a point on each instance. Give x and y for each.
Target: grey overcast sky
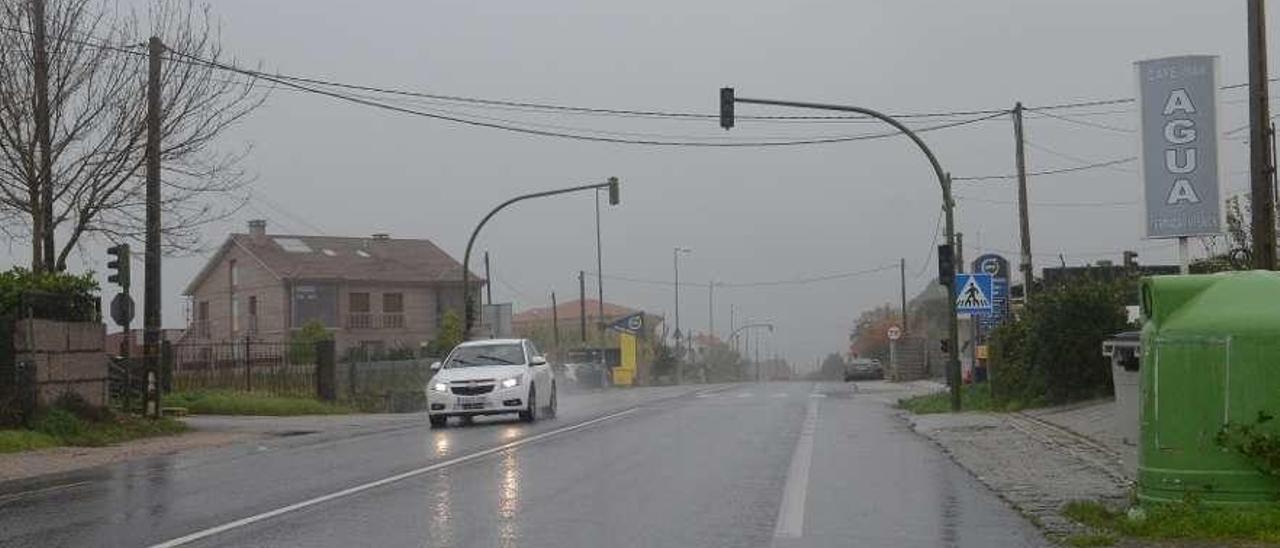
(749, 214)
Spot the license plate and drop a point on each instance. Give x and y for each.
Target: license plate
(470, 402)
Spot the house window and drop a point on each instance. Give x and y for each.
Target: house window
(253, 314)
(235, 315)
(393, 310)
(202, 319)
(358, 314)
(235, 273)
(315, 302)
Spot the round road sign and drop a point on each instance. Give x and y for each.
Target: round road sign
(895, 333)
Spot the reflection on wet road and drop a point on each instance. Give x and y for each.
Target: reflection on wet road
(644, 467)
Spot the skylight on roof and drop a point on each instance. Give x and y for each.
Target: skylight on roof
(362, 253)
(293, 245)
(329, 252)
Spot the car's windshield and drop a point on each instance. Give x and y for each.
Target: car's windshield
(488, 354)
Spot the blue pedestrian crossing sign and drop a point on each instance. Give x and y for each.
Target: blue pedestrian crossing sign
(973, 293)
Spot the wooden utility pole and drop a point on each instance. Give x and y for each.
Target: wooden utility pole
(902, 274)
(1024, 221)
(151, 294)
(1260, 161)
(488, 279)
(42, 226)
(555, 322)
(582, 303)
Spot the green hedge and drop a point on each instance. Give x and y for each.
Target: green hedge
(1053, 353)
(53, 295)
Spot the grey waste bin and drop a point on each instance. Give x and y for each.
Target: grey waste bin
(1125, 351)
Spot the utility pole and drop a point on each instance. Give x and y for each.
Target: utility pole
(711, 308)
(599, 268)
(902, 274)
(1260, 161)
(555, 322)
(582, 303)
(42, 248)
(960, 252)
(1024, 223)
(953, 323)
(731, 330)
(151, 295)
(488, 279)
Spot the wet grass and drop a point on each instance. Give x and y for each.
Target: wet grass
(1185, 520)
(1082, 541)
(57, 427)
(249, 403)
(973, 397)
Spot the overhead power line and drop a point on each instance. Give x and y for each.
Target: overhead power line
(783, 282)
(1073, 169)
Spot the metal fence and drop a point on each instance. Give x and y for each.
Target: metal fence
(275, 368)
(385, 385)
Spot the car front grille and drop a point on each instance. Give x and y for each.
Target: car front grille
(472, 390)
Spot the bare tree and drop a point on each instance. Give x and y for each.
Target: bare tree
(97, 60)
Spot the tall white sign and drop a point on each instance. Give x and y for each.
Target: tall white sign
(1178, 113)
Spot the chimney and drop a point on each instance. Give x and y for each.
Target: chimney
(258, 228)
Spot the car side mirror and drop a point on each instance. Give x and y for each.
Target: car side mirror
(538, 360)
(435, 366)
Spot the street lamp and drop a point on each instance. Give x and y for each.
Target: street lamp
(675, 261)
(727, 101)
(468, 315)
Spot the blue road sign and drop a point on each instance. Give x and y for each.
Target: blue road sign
(973, 293)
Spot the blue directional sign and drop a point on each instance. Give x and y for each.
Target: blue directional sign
(973, 293)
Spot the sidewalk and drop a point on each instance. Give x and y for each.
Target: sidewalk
(1037, 460)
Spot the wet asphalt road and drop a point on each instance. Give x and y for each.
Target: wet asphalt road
(751, 465)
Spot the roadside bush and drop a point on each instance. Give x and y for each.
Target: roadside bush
(1053, 353)
(70, 297)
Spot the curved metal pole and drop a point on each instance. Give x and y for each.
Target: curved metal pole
(468, 316)
(944, 181)
(739, 330)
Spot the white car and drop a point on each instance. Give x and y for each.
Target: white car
(491, 377)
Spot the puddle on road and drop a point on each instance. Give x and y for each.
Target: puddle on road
(292, 433)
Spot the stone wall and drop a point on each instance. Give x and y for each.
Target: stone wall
(68, 357)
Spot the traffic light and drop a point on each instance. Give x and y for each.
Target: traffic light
(726, 108)
(614, 191)
(120, 265)
(946, 265)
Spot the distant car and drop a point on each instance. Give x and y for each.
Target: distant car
(586, 375)
(491, 377)
(863, 369)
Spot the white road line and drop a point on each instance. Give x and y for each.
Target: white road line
(791, 512)
(206, 533)
(23, 494)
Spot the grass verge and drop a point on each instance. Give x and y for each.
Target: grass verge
(973, 397)
(55, 427)
(249, 403)
(1185, 520)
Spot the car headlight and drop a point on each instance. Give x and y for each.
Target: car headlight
(511, 382)
(440, 387)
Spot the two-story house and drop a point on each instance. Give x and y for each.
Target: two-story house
(376, 293)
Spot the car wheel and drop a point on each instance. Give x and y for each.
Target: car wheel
(530, 413)
(438, 421)
(551, 408)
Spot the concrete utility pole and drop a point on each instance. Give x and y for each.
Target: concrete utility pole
(675, 262)
(599, 268)
(151, 266)
(960, 252)
(42, 226)
(1024, 222)
(1263, 201)
(953, 323)
(582, 303)
(711, 308)
(902, 274)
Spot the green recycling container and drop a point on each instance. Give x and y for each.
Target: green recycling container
(1210, 355)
